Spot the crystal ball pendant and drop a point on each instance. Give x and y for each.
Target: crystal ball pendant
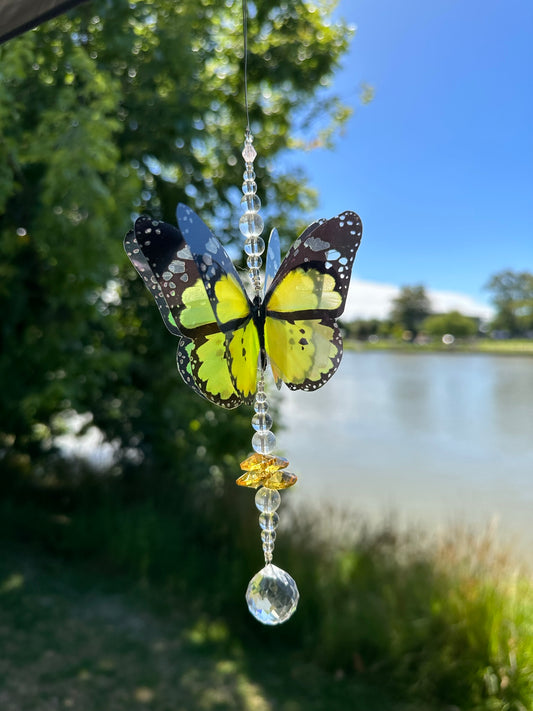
(272, 595)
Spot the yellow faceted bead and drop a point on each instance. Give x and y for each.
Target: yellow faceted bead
(263, 462)
(251, 479)
(280, 480)
(266, 470)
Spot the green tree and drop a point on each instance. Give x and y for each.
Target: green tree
(410, 308)
(111, 110)
(363, 328)
(512, 295)
(453, 322)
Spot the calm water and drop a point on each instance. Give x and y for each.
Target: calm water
(434, 439)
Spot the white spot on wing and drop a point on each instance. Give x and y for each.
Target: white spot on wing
(176, 267)
(316, 244)
(212, 245)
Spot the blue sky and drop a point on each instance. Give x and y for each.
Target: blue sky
(440, 164)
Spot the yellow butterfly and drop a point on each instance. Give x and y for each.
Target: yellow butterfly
(225, 336)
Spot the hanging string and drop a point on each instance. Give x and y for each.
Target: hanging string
(245, 37)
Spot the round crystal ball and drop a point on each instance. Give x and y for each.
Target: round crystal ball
(272, 595)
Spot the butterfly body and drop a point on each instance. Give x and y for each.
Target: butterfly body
(225, 335)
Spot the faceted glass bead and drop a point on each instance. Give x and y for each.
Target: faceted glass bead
(272, 595)
(254, 262)
(251, 203)
(281, 480)
(275, 480)
(264, 442)
(249, 153)
(268, 546)
(260, 406)
(269, 521)
(269, 472)
(251, 224)
(267, 500)
(249, 174)
(264, 462)
(254, 246)
(262, 421)
(260, 396)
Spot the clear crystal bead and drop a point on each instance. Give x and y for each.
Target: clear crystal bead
(272, 595)
(268, 536)
(267, 500)
(251, 224)
(269, 521)
(261, 421)
(260, 395)
(254, 262)
(249, 187)
(251, 203)
(254, 246)
(249, 174)
(264, 442)
(260, 406)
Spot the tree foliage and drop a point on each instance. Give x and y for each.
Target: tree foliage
(362, 329)
(410, 308)
(512, 295)
(453, 322)
(111, 110)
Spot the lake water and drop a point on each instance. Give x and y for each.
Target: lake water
(434, 439)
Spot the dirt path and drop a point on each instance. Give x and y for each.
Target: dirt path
(69, 643)
(75, 639)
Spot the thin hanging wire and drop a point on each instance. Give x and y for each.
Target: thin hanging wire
(245, 37)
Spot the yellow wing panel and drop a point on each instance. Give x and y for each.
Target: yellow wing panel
(211, 369)
(231, 300)
(197, 310)
(305, 290)
(303, 353)
(243, 353)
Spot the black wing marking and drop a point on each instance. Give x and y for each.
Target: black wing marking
(144, 270)
(210, 256)
(329, 247)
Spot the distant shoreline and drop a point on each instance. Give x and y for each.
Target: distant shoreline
(511, 347)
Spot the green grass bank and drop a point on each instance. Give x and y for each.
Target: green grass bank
(485, 345)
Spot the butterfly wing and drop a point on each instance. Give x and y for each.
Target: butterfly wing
(161, 256)
(142, 267)
(229, 301)
(273, 259)
(306, 297)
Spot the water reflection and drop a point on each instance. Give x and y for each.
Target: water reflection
(435, 437)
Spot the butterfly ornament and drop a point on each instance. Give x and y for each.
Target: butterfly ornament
(228, 338)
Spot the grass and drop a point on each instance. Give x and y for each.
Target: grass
(140, 602)
(73, 638)
(513, 346)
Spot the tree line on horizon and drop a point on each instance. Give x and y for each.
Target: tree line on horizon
(412, 318)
